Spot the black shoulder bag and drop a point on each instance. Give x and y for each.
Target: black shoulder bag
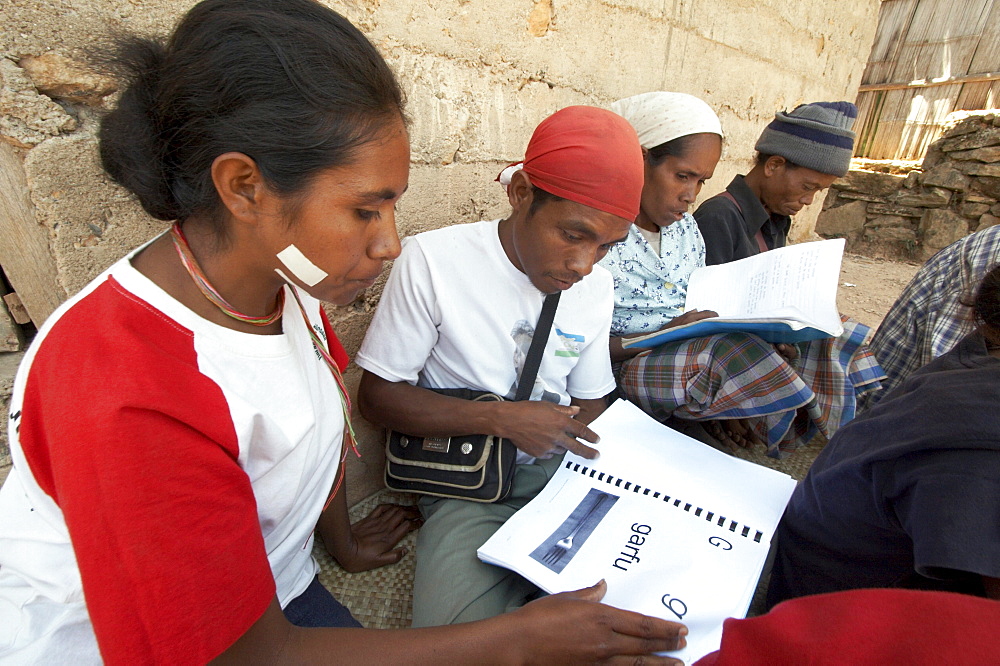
(472, 467)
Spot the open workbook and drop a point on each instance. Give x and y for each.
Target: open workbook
(677, 529)
(784, 295)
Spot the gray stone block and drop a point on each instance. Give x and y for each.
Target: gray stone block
(977, 169)
(842, 220)
(927, 197)
(973, 210)
(989, 154)
(932, 157)
(880, 221)
(941, 227)
(946, 176)
(895, 209)
(989, 136)
(869, 182)
(832, 199)
(891, 235)
(987, 221)
(988, 186)
(860, 196)
(964, 126)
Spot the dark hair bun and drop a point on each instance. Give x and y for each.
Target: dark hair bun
(289, 83)
(131, 151)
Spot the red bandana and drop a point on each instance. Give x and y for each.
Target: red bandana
(590, 156)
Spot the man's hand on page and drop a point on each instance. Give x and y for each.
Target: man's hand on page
(545, 429)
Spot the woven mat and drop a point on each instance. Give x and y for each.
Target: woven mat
(796, 465)
(382, 599)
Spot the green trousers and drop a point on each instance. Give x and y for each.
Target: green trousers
(451, 585)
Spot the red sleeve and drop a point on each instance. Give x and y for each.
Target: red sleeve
(865, 627)
(336, 348)
(138, 450)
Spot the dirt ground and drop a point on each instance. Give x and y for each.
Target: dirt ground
(869, 287)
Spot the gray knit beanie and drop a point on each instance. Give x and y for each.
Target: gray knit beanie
(816, 136)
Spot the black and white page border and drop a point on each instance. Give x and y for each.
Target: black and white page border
(691, 509)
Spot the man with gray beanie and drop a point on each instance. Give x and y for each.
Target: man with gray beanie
(799, 154)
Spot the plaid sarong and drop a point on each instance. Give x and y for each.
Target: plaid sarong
(739, 376)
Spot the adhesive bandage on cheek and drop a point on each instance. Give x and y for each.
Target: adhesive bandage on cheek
(299, 265)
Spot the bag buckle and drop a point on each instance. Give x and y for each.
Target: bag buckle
(437, 444)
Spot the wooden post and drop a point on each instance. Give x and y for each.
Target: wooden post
(11, 337)
(24, 244)
(930, 83)
(16, 308)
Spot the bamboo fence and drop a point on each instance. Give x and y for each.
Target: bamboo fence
(930, 58)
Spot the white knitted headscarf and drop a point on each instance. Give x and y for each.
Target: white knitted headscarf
(659, 117)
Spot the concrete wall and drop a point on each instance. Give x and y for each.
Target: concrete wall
(479, 76)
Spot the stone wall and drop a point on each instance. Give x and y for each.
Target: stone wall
(479, 76)
(911, 214)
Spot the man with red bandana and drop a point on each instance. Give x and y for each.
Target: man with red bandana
(459, 310)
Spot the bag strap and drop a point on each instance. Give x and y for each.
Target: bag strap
(759, 237)
(726, 194)
(526, 381)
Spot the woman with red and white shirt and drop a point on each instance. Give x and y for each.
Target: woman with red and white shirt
(178, 428)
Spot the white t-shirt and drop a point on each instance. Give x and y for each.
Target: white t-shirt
(456, 313)
(168, 474)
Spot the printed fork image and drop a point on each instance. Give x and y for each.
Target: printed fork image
(566, 543)
(560, 546)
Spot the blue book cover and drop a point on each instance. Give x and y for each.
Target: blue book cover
(773, 331)
(786, 295)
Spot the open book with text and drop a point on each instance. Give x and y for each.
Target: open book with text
(678, 529)
(784, 295)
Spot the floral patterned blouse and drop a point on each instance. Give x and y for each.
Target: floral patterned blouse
(650, 289)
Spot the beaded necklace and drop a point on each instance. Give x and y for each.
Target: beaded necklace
(194, 270)
(345, 403)
(209, 292)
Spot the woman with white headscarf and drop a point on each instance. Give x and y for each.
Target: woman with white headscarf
(741, 388)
